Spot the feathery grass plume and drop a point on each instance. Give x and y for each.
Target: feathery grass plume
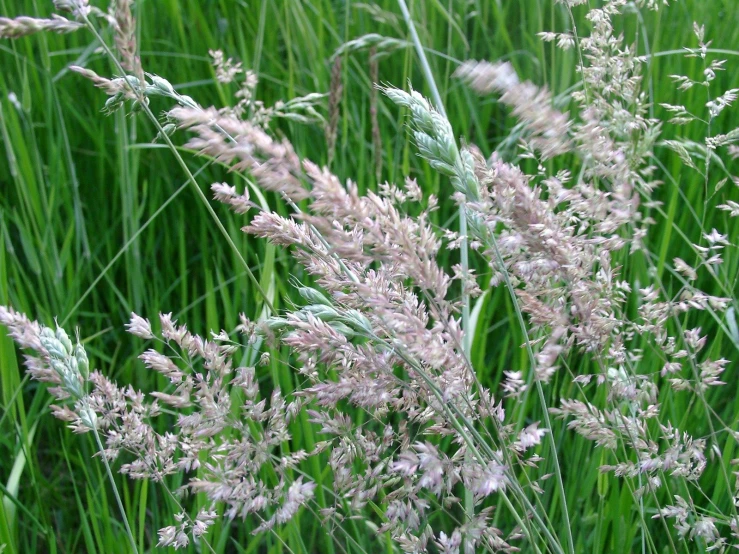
(249, 108)
(57, 362)
(200, 373)
(125, 38)
(435, 141)
(381, 324)
(334, 103)
(24, 26)
(243, 146)
(370, 304)
(112, 87)
(574, 249)
(226, 69)
(614, 139)
(548, 127)
(702, 157)
(77, 7)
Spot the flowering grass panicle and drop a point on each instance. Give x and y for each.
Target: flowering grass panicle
(413, 436)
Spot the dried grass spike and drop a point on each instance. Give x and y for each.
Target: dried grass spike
(334, 100)
(125, 38)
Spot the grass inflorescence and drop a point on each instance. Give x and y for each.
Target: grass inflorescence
(477, 292)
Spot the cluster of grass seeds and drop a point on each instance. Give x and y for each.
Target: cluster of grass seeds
(625, 303)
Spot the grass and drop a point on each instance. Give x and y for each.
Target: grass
(88, 200)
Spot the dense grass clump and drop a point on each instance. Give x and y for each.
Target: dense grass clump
(496, 312)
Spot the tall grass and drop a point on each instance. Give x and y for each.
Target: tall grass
(96, 221)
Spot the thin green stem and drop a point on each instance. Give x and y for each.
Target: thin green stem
(115, 490)
(183, 165)
(436, 97)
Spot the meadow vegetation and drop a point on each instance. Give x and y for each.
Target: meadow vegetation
(369, 277)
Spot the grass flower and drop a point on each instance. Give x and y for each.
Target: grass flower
(416, 440)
